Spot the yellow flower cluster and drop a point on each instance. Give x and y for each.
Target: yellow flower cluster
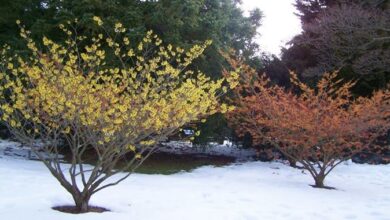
(65, 86)
(98, 20)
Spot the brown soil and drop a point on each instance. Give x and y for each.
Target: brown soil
(74, 210)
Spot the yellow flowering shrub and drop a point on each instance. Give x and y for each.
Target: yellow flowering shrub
(149, 92)
(102, 93)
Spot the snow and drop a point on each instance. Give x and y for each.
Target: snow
(226, 149)
(252, 190)
(18, 150)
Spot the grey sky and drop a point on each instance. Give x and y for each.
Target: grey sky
(279, 23)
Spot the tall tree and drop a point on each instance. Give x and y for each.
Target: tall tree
(308, 10)
(179, 22)
(353, 37)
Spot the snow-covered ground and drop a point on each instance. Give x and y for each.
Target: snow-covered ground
(215, 149)
(252, 190)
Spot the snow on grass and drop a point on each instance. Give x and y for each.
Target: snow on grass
(252, 190)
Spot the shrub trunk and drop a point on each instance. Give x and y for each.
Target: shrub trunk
(319, 181)
(82, 203)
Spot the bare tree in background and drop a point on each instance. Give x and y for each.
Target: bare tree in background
(349, 35)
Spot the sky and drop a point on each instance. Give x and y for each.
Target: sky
(279, 23)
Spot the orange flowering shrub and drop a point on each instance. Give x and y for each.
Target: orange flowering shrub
(319, 127)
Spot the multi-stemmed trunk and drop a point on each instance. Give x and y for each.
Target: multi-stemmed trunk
(82, 182)
(82, 202)
(318, 168)
(318, 175)
(319, 181)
